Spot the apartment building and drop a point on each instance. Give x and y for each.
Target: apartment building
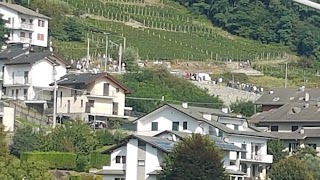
(27, 77)
(295, 119)
(92, 96)
(139, 157)
(230, 127)
(26, 26)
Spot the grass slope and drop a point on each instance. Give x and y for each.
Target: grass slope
(159, 30)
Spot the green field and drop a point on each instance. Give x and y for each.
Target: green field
(165, 31)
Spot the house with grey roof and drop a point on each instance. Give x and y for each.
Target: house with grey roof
(230, 127)
(25, 25)
(139, 157)
(295, 120)
(27, 76)
(91, 96)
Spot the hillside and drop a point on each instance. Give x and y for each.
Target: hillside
(157, 29)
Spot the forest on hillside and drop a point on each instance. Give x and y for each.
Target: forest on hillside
(268, 21)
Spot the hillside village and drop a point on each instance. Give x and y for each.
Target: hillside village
(114, 109)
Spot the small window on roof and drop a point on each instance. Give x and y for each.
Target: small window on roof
(276, 99)
(291, 98)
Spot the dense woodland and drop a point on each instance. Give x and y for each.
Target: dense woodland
(268, 21)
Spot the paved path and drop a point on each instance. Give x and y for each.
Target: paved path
(226, 94)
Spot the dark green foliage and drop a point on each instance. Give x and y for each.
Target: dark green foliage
(275, 148)
(290, 168)
(245, 108)
(25, 140)
(159, 82)
(97, 160)
(301, 152)
(55, 160)
(271, 21)
(73, 29)
(3, 31)
(194, 158)
(313, 164)
(105, 138)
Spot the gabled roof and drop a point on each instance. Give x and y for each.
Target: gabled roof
(160, 143)
(33, 57)
(281, 96)
(23, 10)
(87, 78)
(220, 143)
(196, 114)
(291, 112)
(12, 52)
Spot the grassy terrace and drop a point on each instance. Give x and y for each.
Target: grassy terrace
(166, 31)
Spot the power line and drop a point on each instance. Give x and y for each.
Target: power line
(147, 98)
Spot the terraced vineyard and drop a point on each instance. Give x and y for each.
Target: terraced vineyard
(161, 30)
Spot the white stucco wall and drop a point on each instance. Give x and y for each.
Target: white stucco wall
(121, 151)
(166, 117)
(152, 160)
(132, 159)
(16, 26)
(8, 118)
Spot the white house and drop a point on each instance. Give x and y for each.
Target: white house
(8, 54)
(219, 123)
(139, 157)
(7, 117)
(92, 96)
(26, 26)
(27, 77)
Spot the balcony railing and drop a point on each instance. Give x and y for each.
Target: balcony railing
(256, 157)
(25, 26)
(20, 80)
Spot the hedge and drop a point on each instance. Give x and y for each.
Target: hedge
(55, 160)
(64, 160)
(97, 160)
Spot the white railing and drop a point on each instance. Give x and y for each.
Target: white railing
(27, 26)
(257, 157)
(115, 167)
(25, 40)
(19, 81)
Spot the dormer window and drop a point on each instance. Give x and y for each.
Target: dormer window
(276, 99)
(236, 127)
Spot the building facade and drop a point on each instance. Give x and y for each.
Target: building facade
(92, 96)
(231, 128)
(25, 25)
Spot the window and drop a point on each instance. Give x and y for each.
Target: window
(61, 99)
(22, 34)
(119, 178)
(293, 146)
(9, 21)
(40, 37)
(25, 93)
(294, 128)
(91, 103)
(243, 154)
(23, 20)
(12, 92)
(40, 23)
(185, 125)
(140, 162)
(117, 90)
(30, 35)
(220, 133)
(31, 21)
(120, 159)
(175, 126)
(81, 103)
(154, 126)
(26, 77)
(236, 127)
(274, 128)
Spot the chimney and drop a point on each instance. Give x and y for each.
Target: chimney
(37, 10)
(185, 105)
(306, 105)
(301, 131)
(307, 97)
(270, 92)
(174, 138)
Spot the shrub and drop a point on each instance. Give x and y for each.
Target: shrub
(55, 160)
(97, 160)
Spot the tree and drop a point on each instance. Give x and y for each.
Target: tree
(24, 140)
(74, 30)
(130, 58)
(301, 152)
(276, 148)
(313, 164)
(290, 168)
(3, 32)
(11, 168)
(245, 108)
(194, 158)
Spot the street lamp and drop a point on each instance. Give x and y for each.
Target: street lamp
(55, 101)
(107, 44)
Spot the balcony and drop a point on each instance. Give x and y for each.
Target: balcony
(109, 95)
(256, 157)
(18, 81)
(24, 26)
(25, 40)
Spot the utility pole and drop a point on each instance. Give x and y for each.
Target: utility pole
(54, 104)
(88, 52)
(286, 76)
(106, 58)
(124, 43)
(120, 58)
